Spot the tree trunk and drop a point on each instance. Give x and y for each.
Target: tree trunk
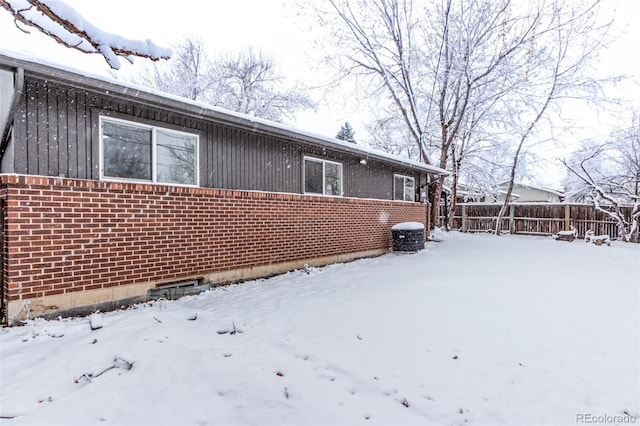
(516, 156)
(454, 185)
(434, 199)
(453, 202)
(507, 199)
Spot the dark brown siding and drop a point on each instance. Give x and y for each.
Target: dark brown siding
(371, 180)
(60, 127)
(57, 129)
(237, 159)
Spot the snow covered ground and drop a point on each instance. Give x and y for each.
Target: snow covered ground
(475, 329)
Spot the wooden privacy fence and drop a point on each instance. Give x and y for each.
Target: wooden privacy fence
(536, 218)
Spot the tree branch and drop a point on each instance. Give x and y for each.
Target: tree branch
(67, 27)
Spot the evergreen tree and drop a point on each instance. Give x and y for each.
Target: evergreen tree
(346, 133)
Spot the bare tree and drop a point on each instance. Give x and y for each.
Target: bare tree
(246, 81)
(389, 133)
(557, 68)
(608, 175)
(478, 151)
(188, 73)
(431, 60)
(63, 24)
(250, 83)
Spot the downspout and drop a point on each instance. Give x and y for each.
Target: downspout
(6, 123)
(18, 90)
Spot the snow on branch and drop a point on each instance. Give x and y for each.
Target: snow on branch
(627, 229)
(66, 26)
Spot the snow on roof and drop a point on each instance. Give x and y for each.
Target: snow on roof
(55, 71)
(539, 188)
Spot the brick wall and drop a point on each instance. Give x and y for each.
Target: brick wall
(65, 235)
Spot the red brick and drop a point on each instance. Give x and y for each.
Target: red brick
(79, 235)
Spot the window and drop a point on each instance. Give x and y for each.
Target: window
(322, 177)
(404, 188)
(148, 153)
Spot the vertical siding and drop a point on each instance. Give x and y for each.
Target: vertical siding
(55, 132)
(83, 160)
(69, 115)
(225, 161)
(20, 134)
(373, 180)
(254, 169)
(204, 158)
(243, 160)
(41, 159)
(59, 127)
(56, 128)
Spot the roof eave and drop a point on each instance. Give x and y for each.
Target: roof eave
(195, 110)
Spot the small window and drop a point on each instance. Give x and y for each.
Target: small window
(404, 188)
(322, 177)
(148, 153)
(175, 157)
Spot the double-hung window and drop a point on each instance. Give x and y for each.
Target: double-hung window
(404, 188)
(322, 177)
(132, 151)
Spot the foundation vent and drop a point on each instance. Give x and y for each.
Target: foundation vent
(177, 290)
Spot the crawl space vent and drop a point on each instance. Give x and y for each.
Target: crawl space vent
(177, 290)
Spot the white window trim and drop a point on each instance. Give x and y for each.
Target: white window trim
(324, 176)
(404, 187)
(153, 152)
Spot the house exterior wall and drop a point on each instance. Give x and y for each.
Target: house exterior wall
(71, 242)
(57, 134)
(531, 195)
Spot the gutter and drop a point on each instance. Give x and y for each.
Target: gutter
(18, 90)
(200, 111)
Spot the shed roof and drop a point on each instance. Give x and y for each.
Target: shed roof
(59, 73)
(528, 186)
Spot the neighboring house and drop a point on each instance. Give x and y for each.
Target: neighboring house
(521, 193)
(528, 194)
(110, 191)
(468, 194)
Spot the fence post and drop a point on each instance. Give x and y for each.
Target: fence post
(428, 218)
(567, 217)
(512, 228)
(463, 226)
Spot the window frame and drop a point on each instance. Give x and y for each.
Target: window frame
(324, 176)
(154, 158)
(405, 179)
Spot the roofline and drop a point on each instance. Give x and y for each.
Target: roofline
(540, 188)
(202, 111)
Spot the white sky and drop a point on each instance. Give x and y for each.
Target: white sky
(275, 28)
(225, 25)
